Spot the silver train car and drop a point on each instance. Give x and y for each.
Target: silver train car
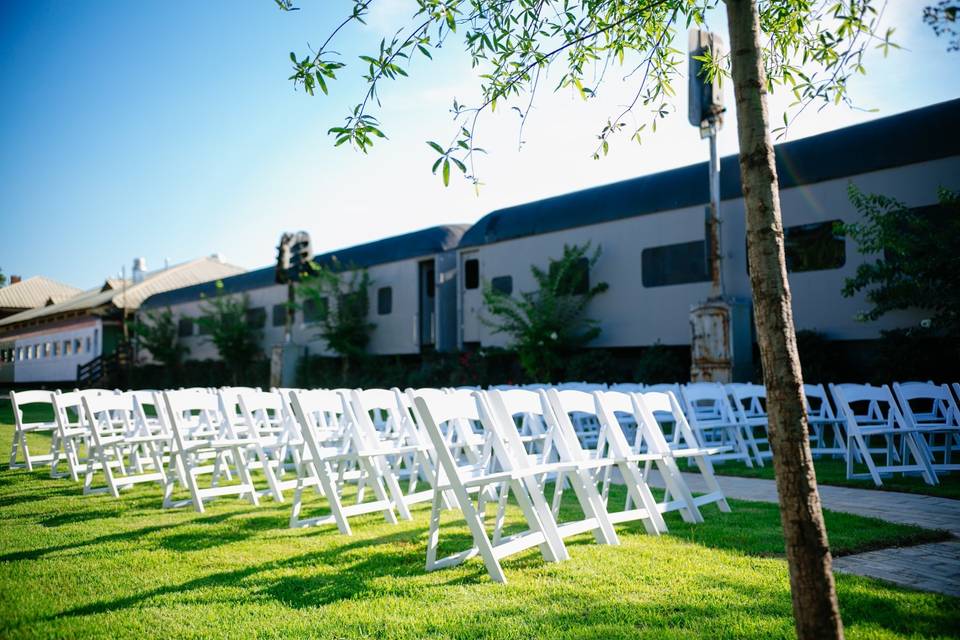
(412, 297)
(427, 291)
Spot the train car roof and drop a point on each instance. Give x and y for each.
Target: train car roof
(915, 136)
(403, 247)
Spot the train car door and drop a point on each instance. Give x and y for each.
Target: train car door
(426, 306)
(471, 297)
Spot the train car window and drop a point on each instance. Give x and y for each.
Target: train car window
(56, 349)
(68, 347)
(279, 315)
(814, 247)
(256, 317)
(315, 310)
(503, 284)
(574, 282)
(184, 327)
(672, 264)
(471, 273)
(77, 345)
(384, 300)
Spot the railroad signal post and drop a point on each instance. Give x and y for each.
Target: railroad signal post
(721, 344)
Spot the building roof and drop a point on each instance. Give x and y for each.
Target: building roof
(403, 247)
(907, 138)
(35, 292)
(126, 294)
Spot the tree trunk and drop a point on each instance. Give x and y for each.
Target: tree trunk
(815, 607)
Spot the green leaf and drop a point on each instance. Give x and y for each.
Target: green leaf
(436, 147)
(446, 172)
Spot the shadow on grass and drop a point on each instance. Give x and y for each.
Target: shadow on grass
(120, 536)
(343, 573)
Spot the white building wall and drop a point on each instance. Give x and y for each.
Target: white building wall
(38, 360)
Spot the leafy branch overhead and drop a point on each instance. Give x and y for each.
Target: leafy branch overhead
(812, 48)
(549, 323)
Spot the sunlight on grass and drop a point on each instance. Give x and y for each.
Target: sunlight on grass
(75, 566)
(834, 472)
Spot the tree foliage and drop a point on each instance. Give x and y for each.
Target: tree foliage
(813, 47)
(548, 324)
(3, 278)
(156, 332)
(224, 321)
(916, 257)
(943, 19)
(342, 300)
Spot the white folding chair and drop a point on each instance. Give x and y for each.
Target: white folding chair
(611, 451)
(385, 430)
(200, 436)
(712, 419)
(562, 457)
(465, 480)
(932, 411)
(272, 436)
(72, 435)
(826, 428)
(22, 426)
(124, 456)
(750, 410)
(658, 408)
(331, 458)
(871, 413)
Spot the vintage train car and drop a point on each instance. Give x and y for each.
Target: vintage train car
(412, 297)
(652, 229)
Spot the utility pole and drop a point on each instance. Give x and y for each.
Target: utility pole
(721, 344)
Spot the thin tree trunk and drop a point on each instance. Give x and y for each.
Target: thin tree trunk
(815, 607)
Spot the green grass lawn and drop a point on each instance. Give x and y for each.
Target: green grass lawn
(75, 566)
(831, 471)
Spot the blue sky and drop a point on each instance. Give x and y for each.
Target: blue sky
(169, 130)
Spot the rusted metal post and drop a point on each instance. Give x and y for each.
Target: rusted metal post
(716, 254)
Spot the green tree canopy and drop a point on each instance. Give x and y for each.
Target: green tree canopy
(156, 332)
(340, 302)
(224, 321)
(548, 324)
(916, 257)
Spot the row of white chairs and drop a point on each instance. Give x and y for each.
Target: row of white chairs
(457, 449)
(910, 428)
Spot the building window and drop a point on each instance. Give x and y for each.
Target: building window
(315, 310)
(384, 300)
(185, 327)
(471, 273)
(503, 284)
(279, 315)
(674, 264)
(814, 247)
(576, 281)
(257, 317)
